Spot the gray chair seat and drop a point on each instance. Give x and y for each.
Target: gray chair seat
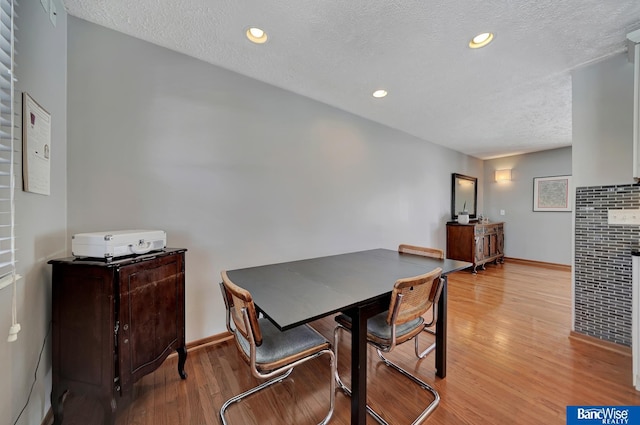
(380, 329)
(278, 345)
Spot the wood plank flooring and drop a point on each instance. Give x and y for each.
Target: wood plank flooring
(510, 361)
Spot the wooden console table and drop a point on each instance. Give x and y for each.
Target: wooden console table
(113, 323)
(476, 243)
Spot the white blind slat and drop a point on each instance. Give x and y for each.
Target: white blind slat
(8, 132)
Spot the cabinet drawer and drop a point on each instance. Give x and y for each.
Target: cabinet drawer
(486, 229)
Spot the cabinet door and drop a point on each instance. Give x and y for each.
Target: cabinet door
(151, 314)
(492, 245)
(479, 244)
(83, 329)
(460, 242)
(500, 240)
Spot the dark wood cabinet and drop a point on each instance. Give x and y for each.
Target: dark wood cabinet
(114, 322)
(475, 242)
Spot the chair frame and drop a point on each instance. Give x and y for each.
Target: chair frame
(393, 320)
(432, 253)
(249, 327)
(421, 250)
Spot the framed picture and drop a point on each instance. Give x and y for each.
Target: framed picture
(552, 193)
(36, 146)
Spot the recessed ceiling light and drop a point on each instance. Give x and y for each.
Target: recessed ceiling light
(380, 93)
(481, 40)
(256, 35)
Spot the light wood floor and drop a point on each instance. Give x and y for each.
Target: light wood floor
(510, 361)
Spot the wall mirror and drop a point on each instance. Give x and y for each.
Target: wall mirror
(464, 195)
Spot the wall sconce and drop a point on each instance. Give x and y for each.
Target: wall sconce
(503, 175)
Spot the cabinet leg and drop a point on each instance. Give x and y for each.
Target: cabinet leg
(110, 408)
(474, 271)
(182, 358)
(109, 418)
(56, 406)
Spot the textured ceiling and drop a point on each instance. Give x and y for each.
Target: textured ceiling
(511, 97)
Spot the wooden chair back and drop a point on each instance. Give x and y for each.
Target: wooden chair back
(236, 300)
(421, 250)
(419, 293)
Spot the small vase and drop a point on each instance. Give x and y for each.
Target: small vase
(463, 218)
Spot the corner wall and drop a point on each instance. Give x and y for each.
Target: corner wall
(530, 235)
(603, 176)
(41, 221)
(603, 123)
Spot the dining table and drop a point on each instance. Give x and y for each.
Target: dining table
(358, 284)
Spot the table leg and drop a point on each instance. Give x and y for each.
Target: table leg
(441, 333)
(358, 367)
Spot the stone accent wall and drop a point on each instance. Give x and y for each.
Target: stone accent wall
(603, 262)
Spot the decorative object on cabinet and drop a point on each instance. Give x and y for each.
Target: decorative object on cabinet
(463, 217)
(113, 323)
(476, 243)
(117, 243)
(552, 193)
(464, 195)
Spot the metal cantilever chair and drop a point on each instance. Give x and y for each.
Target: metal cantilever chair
(432, 253)
(271, 353)
(410, 299)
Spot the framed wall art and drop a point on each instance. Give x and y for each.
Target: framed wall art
(36, 146)
(552, 193)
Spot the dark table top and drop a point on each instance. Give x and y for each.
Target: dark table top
(297, 292)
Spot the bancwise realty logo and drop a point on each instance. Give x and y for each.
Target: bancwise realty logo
(619, 415)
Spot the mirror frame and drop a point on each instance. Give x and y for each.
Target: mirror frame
(473, 210)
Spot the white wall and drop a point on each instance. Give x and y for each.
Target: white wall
(238, 172)
(41, 63)
(603, 123)
(531, 235)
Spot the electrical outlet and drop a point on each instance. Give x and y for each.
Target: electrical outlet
(624, 217)
(502, 212)
(53, 12)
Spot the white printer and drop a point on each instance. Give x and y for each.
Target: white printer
(118, 243)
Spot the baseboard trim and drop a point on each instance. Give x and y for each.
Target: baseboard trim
(611, 346)
(204, 342)
(210, 340)
(544, 264)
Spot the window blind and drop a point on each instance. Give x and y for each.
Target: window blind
(8, 122)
